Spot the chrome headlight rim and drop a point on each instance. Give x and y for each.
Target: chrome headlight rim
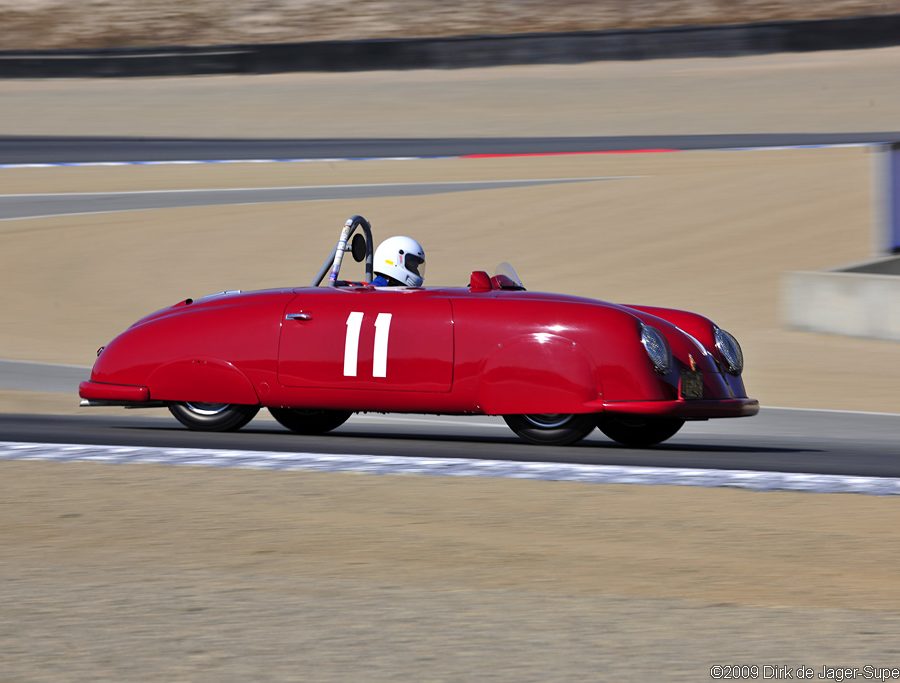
(729, 350)
(657, 348)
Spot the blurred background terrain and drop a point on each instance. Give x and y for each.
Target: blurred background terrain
(37, 24)
(149, 573)
(712, 231)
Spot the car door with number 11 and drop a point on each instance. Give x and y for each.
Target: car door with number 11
(367, 338)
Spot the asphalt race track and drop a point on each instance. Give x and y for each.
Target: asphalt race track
(777, 440)
(40, 205)
(47, 149)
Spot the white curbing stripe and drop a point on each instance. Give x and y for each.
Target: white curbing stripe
(452, 467)
(782, 148)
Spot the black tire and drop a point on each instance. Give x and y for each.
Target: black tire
(310, 421)
(552, 429)
(213, 417)
(639, 432)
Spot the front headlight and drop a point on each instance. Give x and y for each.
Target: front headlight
(657, 348)
(730, 351)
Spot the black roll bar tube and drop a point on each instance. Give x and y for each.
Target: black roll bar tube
(334, 259)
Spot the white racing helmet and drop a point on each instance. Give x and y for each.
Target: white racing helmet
(401, 258)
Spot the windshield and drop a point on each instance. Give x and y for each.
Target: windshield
(506, 269)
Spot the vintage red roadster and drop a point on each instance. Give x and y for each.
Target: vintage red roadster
(554, 366)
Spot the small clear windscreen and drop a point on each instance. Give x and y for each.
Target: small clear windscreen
(506, 269)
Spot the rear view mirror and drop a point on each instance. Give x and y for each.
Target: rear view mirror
(358, 248)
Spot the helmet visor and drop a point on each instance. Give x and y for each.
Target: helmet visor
(414, 264)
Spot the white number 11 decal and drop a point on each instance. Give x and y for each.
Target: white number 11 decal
(382, 330)
(351, 344)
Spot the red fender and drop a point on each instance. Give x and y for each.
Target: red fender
(537, 373)
(698, 326)
(201, 380)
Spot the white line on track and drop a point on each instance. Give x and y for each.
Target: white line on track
(196, 162)
(783, 148)
(454, 467)
(832, 410)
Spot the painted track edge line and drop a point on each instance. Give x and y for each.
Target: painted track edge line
(830, 410)
(456, 467)
(193, 162)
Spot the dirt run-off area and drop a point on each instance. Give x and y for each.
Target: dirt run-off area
(144, 573)
(36, 24)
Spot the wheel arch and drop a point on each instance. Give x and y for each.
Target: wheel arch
(201, 380)
(537, 373)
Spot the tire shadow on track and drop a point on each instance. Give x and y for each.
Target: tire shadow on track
(466, 446)
(456, 438)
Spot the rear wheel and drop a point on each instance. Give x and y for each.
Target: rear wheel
(213, 417)
(552, 429)
(638, 432)
(310, 421)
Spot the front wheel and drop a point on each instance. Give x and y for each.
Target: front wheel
(639, 432)
(552, 429)
(213, 417)
(310, 421)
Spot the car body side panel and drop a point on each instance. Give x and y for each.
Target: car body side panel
(530, 373)
(227, 341)
(576, 351)
(377, 339)
(442, 351)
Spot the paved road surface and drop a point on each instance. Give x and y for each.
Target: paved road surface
(780, 440)
(68, 203)
(59, 149)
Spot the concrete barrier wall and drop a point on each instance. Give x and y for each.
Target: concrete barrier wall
(892, 209)
(854, 304)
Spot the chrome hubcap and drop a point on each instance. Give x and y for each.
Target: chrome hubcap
(207, 409)
(548, 420)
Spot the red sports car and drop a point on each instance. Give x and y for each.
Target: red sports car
(554, 366)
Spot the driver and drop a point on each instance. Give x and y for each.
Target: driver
(399, 262)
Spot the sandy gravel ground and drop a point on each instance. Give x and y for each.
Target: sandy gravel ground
(45, 24)
(813, 92)
(145, 573)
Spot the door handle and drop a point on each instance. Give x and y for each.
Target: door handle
(298, 316)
